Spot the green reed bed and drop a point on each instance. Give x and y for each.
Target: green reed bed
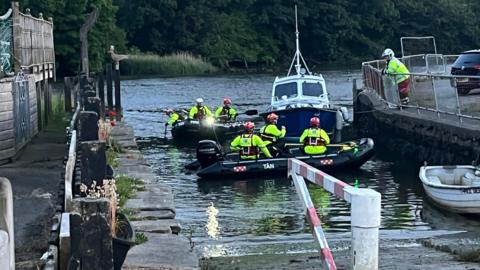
(168, 65)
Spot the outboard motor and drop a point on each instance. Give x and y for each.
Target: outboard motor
(208, 152)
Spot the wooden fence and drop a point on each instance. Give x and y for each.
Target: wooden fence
(25, 92)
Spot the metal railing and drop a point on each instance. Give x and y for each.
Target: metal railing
(72, 159)
(365, 214)
(7, 240)
(438, 93)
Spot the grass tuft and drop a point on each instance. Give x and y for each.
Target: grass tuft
(171, 65)
(126, 187)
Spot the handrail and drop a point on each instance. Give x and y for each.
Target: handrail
(365, 214)
(7, 242)
(373, 80)
(72, 159)
(69, 170)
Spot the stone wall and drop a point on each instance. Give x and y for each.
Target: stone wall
(421, 136)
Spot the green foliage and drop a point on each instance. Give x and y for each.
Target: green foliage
(140, 238)
(175, 64)
(56, 118)
(68, 17)
(126, 187)
(233, 32)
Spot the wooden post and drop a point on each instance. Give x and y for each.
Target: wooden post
(68, 93)
(17, 37)
(101, 89)
(92, 18)
(118, 102)
(93, 162)
(108, 68)
(92, 241)
(88, 126)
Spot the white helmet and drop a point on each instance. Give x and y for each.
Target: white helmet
(388, 53)
(199, 100)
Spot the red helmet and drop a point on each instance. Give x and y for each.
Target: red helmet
(249, 126)
(315, 121)
(227, 101)
(272, 117)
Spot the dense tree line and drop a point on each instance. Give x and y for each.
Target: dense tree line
(259, 32)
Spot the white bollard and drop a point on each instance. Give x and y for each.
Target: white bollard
(365, 222)
(6, 225)
(4, 250)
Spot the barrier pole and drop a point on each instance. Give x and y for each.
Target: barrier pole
(7, 256)
(365, 212)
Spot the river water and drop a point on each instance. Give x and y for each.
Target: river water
(265, 216)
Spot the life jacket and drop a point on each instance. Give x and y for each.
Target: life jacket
(200, 113)
(247, 147)
(267, 136)
(226, 112)
(314, 139)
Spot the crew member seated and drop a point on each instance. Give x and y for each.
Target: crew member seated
(314, 138)
(226, 113)
(248, 144)
(199, 111)
(270, 133)
(175, 117)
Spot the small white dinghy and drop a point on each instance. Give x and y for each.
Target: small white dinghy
(455, 188)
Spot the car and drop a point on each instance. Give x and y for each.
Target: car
(467, 64)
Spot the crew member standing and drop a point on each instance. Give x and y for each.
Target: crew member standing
(400, 74)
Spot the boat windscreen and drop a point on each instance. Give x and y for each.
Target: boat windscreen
(312, 89)
(287, 89)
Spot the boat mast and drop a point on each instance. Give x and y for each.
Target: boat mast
(298, 57)
(297, 43)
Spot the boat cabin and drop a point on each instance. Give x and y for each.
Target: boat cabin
(299, 91)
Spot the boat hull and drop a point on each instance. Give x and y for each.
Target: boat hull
(296, 120)
(455, 198)
(193, 131)
(278, 166)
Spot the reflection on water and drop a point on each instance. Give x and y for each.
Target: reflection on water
(254, 216)
(212, 222)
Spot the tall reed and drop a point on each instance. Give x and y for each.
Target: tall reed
(170, 65)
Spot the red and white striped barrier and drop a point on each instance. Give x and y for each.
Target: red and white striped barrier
(365, 214)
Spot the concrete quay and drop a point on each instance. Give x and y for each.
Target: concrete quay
(420, 135)
(153, 213)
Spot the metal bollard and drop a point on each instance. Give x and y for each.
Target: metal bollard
(7, 252)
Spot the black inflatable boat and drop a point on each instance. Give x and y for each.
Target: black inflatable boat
(211, 163)
(194, 131)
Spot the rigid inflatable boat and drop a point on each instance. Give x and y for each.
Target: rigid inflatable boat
(211, 163)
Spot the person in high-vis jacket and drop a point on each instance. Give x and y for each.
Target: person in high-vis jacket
(314, 138)
(226, 113)
(175, 117)
(249, 144)
(199, 111)
(270, 133)
(400, 72)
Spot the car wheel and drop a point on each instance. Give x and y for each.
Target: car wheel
(462, 91)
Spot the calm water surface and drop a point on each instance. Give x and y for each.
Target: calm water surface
(264, 216)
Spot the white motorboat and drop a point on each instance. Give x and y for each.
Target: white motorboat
(455, 188)
(298, 97)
